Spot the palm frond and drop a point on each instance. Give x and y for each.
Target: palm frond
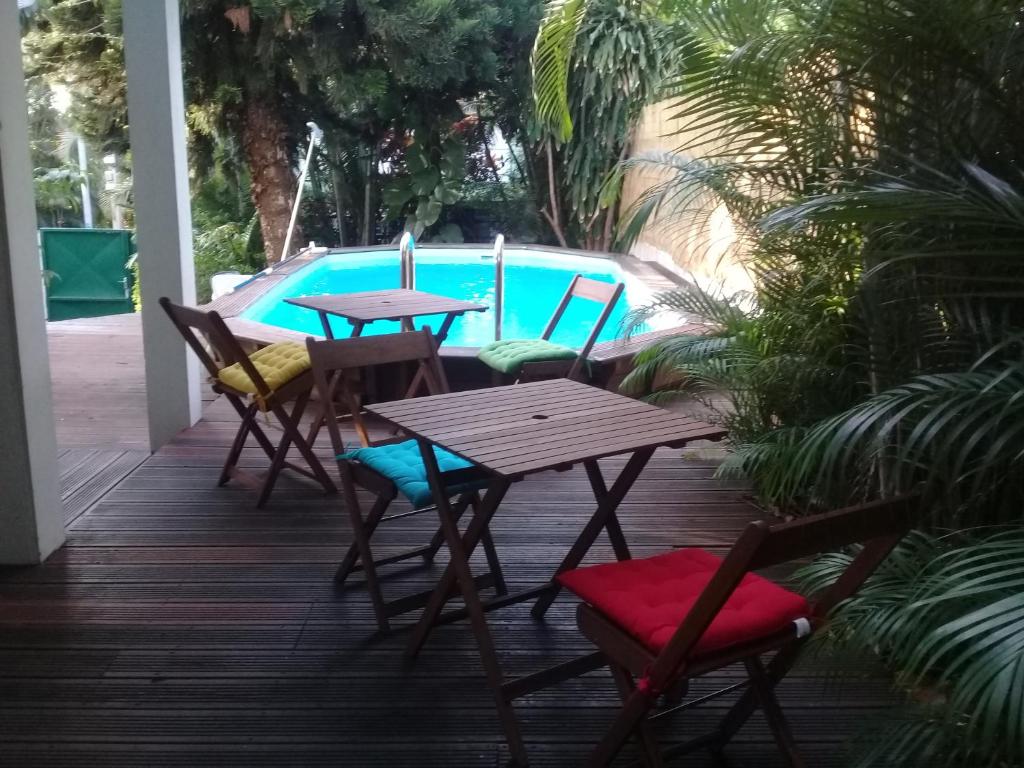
(948, 614)
(551, 61)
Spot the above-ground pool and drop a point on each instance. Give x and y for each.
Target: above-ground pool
(534, 283)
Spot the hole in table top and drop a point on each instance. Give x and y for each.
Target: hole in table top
(540, 416)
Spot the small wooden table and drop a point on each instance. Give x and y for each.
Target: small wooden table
(400, 304)
(508, 433)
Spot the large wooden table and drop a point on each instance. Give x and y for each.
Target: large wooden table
(508, 433)
(399, 304)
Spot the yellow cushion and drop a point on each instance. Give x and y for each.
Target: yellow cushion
(278, 364)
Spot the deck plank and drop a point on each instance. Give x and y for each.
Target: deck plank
(180, 626)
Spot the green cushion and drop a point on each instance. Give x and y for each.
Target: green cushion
(508, 355)
(402, 464)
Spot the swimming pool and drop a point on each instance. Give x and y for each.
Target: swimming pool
(534, 284)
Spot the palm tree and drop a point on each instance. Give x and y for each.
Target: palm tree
(869, 155)
(596, 64)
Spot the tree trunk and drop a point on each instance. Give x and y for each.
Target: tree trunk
(273, 179)
(340, 203)
(553, 216)
(368, 218)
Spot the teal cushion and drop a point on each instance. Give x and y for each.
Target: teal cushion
(402, 464)
(508, 355)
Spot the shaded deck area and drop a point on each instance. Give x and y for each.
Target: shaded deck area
(180, 626)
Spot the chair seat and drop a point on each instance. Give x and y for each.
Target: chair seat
(509, 355)
(277, 363)
(649, 598)
(402, 464)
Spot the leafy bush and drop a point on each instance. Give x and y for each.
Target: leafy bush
(947, 612)
(224, 248)
(869, 156)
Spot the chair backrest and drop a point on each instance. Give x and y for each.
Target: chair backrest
(593, 290)
(337, 363)
(218, 336)
(878, 526)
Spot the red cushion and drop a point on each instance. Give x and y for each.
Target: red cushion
(649, 599)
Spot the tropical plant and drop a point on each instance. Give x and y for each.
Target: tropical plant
(947, 612)
(433, 179)
(869, 157)
(596, 65)
(224, 248)
(369, 73)
(57, 191)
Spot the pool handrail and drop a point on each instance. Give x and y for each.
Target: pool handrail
(407, 252)
(499, 284)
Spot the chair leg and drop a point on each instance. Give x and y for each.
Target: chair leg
(254, 425)
(306, 448)
(633, 711)
(645, 734)
(248, 414)
(493, 563)
(292, 434)
(490, 552)
(741, 711)
(373, 519)
(437, 540)
(362, 542)
(277, 463)
(764, 689)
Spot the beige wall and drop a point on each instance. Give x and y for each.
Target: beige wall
(696, 243)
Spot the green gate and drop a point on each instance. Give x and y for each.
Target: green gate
(87, 272)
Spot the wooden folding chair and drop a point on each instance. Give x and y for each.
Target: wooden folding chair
(264, 382)
(390, 466)
(663, 620)
(533, 359)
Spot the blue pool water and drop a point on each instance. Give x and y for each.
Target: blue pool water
(534, 284)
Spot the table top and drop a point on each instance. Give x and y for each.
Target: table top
(523, 428)
(394, 304)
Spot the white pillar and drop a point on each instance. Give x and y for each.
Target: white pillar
(156, 115)
(31, 516)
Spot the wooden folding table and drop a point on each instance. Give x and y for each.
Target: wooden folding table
(509, 433)
(399, 304)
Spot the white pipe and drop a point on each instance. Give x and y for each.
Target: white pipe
(315, 135)
(499, 284)
(407, 252)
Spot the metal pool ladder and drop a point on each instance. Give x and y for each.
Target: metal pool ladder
(499, 284)
(407, 249)
(407, 278)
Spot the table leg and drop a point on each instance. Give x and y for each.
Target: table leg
(442, 332)
(615, 535)
(607, 503)
(481, 519)
(417, 378)
(357, 329)
(460, 567)
(439, 337)
(325, 322)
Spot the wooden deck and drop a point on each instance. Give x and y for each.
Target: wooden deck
(180, 626)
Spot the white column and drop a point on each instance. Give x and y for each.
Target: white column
(156, 115)
(31, 516)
